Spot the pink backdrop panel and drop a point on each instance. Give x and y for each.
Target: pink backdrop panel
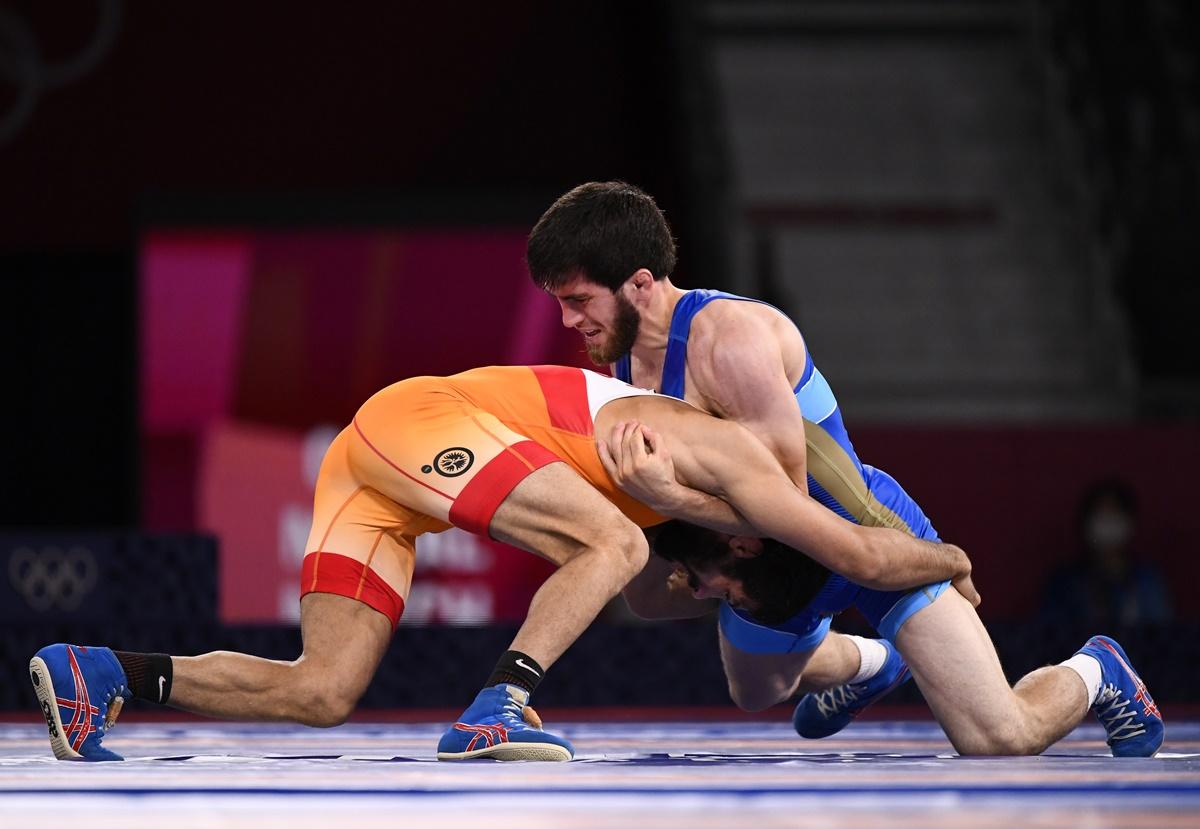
(192, 291)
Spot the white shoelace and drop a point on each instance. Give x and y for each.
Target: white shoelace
(836, 700)
(512, 710)
(1118, 721)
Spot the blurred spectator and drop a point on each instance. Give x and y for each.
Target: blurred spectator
(1108, 584)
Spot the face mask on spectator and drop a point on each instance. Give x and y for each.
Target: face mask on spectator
(1109, 529)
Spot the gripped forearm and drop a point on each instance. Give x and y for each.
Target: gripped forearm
(876, 557)
(704, 510)
(732, 463)
(898, 561)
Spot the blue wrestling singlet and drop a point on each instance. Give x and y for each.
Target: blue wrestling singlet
(837, 479)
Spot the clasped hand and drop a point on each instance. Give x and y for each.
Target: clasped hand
(637, 459)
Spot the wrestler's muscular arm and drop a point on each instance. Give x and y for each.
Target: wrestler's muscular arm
(739, 358)
(725, 460)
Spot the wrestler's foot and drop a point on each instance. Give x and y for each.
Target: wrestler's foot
(1124, 706)
(828, 712)
(500, 726)
(81, 691)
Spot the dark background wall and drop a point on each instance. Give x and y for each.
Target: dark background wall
(278, 113)
(368, 99)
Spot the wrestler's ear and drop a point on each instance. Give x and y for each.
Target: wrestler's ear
(745, 547)
(640, 280)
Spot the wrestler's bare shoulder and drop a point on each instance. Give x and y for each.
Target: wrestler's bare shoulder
(725, 328)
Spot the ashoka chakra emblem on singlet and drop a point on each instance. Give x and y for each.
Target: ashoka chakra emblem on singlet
(454, 461)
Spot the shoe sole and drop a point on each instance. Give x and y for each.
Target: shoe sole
(43, 686)
(541, 752)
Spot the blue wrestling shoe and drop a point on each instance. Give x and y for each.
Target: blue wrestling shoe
(81, 691)
(500, 726)
(828, 712)
(1124, 706)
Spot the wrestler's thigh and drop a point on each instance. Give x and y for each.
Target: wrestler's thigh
(757, 680)
(426, 464)
(359, 546)
(955, 665)
(557, 514)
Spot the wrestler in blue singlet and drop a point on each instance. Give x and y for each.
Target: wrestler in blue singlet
(838, 480)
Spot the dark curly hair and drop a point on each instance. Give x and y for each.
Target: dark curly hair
(604, 230)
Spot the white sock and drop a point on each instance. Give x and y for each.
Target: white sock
(871, 656)
(1088, 668)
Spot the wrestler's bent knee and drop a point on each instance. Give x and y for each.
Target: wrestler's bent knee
(1008, 741)
(750, 701)
(320, 700)
(623, 549)
(327, 708)
(634, 549)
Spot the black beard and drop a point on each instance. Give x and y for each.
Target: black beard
(779, 582)
(621, 337)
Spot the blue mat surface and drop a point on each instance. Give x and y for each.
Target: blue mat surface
(657, 775)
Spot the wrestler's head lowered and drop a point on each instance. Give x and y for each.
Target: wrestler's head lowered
(761, 576)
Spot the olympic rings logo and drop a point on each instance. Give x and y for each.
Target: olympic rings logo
(50, 578)
(22, 65)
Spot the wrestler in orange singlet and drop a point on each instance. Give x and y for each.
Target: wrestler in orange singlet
(431, 452)
(481, 450)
